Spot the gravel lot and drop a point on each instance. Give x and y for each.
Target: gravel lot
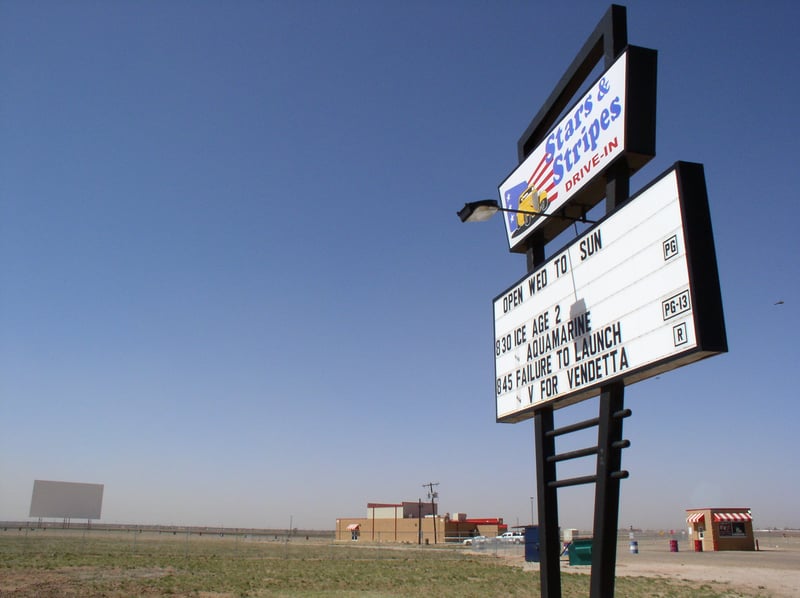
(773, 570)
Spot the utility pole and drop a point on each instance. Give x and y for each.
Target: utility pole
(419, 522)
(432, 495)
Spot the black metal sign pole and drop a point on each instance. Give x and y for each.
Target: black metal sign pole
(549, 541)
(609, 442)
(606, 43)
(606, 501)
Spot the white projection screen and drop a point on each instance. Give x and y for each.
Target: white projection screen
(66, 500)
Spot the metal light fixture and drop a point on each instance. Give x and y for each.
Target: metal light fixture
(481, 210)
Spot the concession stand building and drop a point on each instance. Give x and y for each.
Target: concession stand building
(721, 529)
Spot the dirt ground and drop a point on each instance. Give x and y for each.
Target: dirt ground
(773, 570)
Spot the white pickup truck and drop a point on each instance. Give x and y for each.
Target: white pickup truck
(513, 537)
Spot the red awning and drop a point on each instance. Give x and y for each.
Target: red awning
(695, 517)
(353, 527)
(743, 516)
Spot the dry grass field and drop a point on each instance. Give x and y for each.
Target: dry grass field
(44, 563)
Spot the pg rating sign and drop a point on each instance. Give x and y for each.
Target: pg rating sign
(636, 295)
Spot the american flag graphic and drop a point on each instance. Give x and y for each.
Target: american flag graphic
(542, 178)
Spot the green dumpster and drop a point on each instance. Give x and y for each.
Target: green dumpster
(580, 552)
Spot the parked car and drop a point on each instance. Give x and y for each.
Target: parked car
(512, 537)
(475, 540)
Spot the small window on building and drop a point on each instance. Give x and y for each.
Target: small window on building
(734, 529)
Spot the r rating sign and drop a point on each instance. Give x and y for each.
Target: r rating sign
(618, 303)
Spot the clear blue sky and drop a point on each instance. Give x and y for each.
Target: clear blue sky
(234, 289)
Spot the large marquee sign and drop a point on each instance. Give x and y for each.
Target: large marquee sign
(614, 118)
(636, 295)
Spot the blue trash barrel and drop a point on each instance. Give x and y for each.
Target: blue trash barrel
(634, 547)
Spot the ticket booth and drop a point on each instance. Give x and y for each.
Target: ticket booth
(712, 529)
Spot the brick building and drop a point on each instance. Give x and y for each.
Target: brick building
(414, 522)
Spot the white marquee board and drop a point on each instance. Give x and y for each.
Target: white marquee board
(618, 303)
